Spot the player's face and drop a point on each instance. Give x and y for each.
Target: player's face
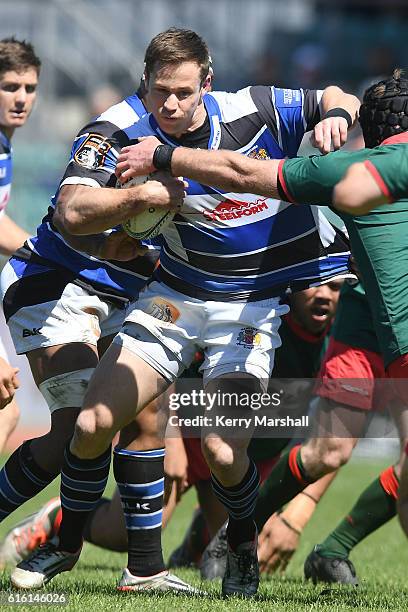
(17, 95)
(314, 308)
(174, 97)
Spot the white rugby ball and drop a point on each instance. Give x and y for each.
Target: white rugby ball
(149, 223)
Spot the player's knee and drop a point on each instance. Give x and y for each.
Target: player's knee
(221, 454)
(93, 430)
(326, 456)
(335, 455)
(216, 453)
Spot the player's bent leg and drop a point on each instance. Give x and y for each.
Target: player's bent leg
(142, 435)
(235, 481)
(377, 504)
(8, 421)
(321, 456)
(37, 462)
(122, 385)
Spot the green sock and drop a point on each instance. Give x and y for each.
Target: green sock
(287, 479)
(374, 508)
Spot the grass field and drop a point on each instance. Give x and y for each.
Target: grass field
(381, 562)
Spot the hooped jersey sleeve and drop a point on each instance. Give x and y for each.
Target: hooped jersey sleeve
(288, 113)
(94, 155)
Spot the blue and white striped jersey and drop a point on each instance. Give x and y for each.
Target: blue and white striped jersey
(92, 162)
(228, 246)
(6, 172)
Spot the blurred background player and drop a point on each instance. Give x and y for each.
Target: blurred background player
(19, 72)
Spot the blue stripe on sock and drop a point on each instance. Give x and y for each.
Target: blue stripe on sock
(157, 452)
(9, 492)
(77, 464)
(80, 485)
(144, 521)
(145, 490)
(76, 505)
(32, 477)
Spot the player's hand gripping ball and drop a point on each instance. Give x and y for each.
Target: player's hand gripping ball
(149, 223)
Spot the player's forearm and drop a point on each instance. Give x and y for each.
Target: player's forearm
(334, 97)
(227, 170)
(85, 210)
(301, 509)
(12, 236)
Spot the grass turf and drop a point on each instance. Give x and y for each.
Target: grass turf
(381, 563)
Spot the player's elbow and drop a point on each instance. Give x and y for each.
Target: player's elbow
(67, 216)
(66, 220)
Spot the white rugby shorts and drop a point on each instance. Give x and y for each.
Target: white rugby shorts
(165, 328)
(77, 316)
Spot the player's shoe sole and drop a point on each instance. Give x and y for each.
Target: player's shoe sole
(329, 570)
(41, 566)
(27, 535)
(164, 581)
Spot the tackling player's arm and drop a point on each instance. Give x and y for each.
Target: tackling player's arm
(280, 535)
(223, 169)
(359, 191)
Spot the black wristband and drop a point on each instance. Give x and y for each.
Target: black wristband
(339, 112)
(162, 157)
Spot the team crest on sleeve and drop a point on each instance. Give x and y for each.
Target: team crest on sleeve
(258, 153)
(249, 337)
(92, 151)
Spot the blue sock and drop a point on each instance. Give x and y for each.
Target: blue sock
(140, 479)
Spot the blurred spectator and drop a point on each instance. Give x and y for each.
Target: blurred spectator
(308, 64)
(102, 98)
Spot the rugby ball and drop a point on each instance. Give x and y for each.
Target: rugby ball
(149, 223)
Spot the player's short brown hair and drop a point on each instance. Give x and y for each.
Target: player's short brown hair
(384, 111)
(17, 56)
(177, 45)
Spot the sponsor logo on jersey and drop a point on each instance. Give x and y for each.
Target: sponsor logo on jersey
(289, 94)
(35, 331)
(249, 337)
(163, 310)
(92, 152)
(228, 211)
(3, 172)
